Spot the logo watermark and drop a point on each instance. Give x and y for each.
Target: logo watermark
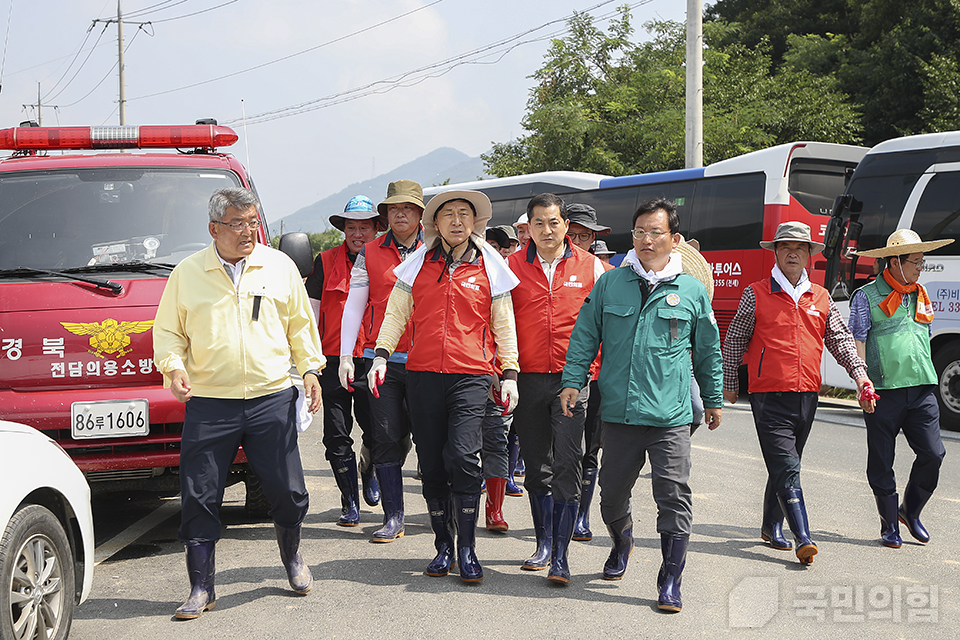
(755, 601)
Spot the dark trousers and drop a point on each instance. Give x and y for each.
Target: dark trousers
(592, 428)
(625, 451)
(783, 422)
(447, 413)
(495, 428)
(915, 411)
(391, 417)
(337, 402)
(213, 430)
(552, 444)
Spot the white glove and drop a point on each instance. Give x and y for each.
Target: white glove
(509, 396)
(376, 375)
(346, 372)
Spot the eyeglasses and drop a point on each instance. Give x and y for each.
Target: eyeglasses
(240, 226)
(582, 237)
(654, 235)
(919, 264)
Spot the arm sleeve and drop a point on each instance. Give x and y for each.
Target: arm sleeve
(585, 339)
(737, 340)
(352, 318)
(302, 334)
(840, 343)
(860, 316)
(170, 342)
(707, 361)
(314, 281)
(505, 331)
(396, 316)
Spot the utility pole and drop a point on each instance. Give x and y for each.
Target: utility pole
(123, 70)
(39, 105)
(694, 86)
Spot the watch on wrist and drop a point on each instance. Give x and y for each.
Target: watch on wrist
(314, 372)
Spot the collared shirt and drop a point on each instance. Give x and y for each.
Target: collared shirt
(359, 276)
(236, 340)
(233, 270)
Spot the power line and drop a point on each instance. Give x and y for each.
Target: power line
(137, 13)
(288, 57)
(195, 13)
(107, 75)
(6, 39)
(67, 70)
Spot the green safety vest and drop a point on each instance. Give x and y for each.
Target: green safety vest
(898, 348)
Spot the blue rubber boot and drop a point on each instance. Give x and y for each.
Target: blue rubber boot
(791, 501)
(564, 517)
(581, 530)
(674, 550)
(621, 532)
(541, 508)
(889, 524)
(443, 525)
(466, 509)
(298, 573)
(772, 528)
(914, 500)
(345, 472)
(201, 567)
(368, 479)
(391, 495)
(513, 451)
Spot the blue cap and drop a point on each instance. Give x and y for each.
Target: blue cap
(359, 203)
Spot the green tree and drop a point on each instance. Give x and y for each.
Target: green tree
(607, 105)
(318, 241)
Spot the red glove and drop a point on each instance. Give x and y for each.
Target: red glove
(868, 393)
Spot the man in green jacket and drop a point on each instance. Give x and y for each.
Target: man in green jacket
(651, 318)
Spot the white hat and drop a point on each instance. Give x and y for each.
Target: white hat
(521, 220)
(481, 204)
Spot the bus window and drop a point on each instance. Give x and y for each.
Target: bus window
(938, 212)
(506, 211)
(728, 212)
(877, 205)
(815, 183)
(615, 209)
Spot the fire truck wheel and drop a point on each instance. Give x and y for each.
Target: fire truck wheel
(256, 503)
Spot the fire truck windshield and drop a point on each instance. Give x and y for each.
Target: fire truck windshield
(64, 219)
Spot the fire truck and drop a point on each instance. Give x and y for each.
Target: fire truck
(92, 221)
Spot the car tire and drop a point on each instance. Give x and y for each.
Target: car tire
(947, 363)
(35, 532)
(256, 503)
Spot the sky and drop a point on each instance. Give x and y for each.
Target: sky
(334, 92)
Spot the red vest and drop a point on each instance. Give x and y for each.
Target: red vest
(450, 328)
(381, 257)
(336, 285)
(787, 344)
(545, 316)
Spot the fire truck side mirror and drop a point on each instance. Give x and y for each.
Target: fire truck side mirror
(297, 246)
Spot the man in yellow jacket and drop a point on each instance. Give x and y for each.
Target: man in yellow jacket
(229, 321)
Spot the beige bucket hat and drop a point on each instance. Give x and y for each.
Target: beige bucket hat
(904, 242)
(400, 191)
(793, 232)
(481, 204)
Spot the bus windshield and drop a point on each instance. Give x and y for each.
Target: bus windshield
(71, 218)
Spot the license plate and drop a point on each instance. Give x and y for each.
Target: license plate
(109, 419)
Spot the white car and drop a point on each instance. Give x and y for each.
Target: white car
(46, 552)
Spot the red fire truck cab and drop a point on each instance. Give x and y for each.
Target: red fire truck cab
(87, 241)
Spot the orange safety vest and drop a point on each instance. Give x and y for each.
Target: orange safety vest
(546, 314)
(450, 329)
(381, 257)
(787, 344)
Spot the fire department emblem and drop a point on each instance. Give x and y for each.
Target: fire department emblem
(108, 336)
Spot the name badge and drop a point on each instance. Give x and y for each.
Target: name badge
(673, 299)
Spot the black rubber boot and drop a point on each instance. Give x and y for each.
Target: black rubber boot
(564, 517)
(391, 495)
(201, 567)
(791, 501)
(444, 529)
(345, 472)
(298, 573)
(541, 509)
(889, 524)
(674, 550)
(368, 479)
(621, 532)
(772, 528)
(914, 500)
(466, 509)
(581, 530)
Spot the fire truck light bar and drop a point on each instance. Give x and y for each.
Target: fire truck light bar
(126, 137)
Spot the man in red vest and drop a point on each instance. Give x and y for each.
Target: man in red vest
(371, 282)
(555, 278)
(782, 325)
(327, 287)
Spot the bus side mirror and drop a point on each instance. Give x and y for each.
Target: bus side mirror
(832, 236)
(297, 246)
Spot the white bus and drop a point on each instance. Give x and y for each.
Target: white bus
(911, 182)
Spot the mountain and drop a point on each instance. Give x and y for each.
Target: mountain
(434, 168)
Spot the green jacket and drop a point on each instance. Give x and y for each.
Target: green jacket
(645, 369)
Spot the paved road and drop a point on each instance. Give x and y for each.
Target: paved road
(734, 585)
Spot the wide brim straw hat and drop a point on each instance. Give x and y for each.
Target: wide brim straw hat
(480, 202)
(793, 232)
(903, 242)
(696, 265)
(358, 208)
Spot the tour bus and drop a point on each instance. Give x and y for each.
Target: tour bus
(728, 207)
(87, 241)
(911, 182)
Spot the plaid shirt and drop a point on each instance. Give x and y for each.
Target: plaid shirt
(838, 340)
